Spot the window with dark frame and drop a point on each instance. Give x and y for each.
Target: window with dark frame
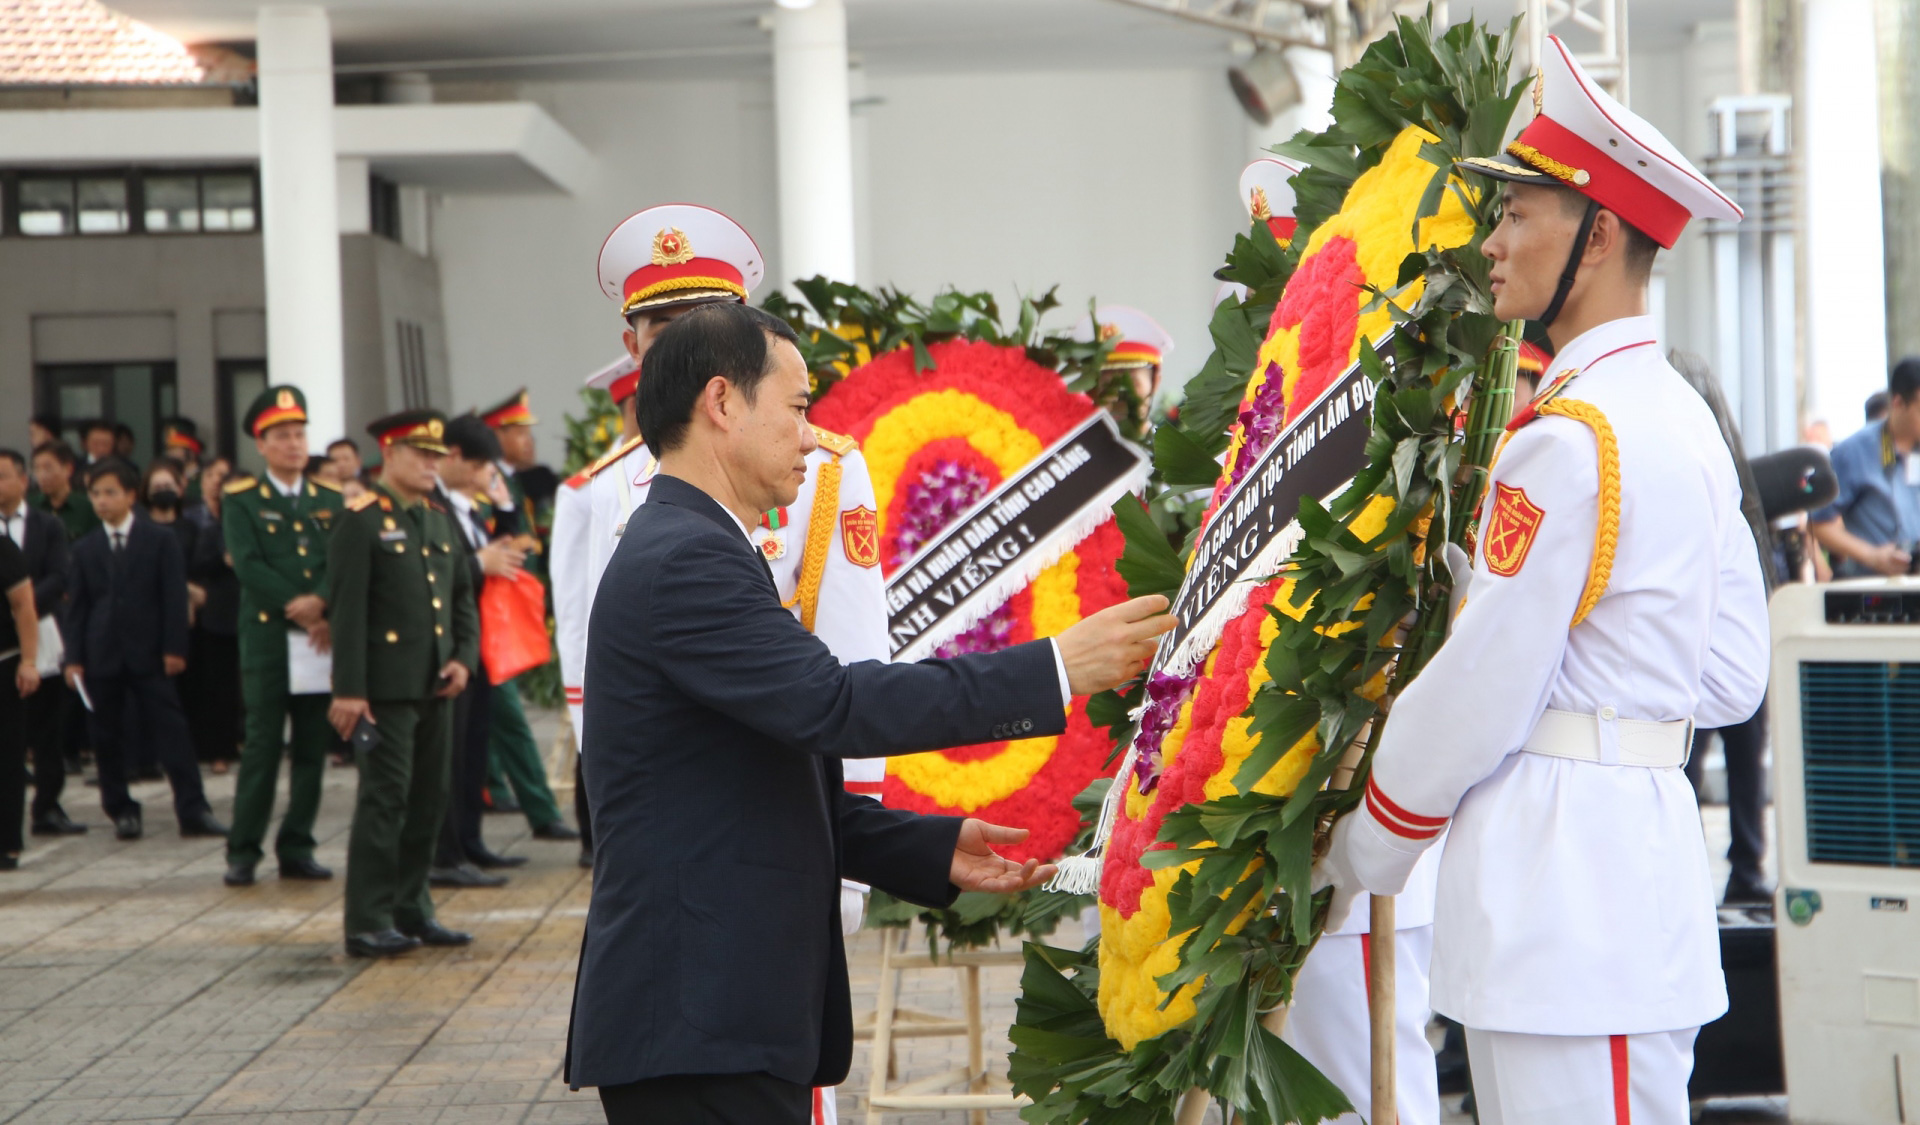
(383, 200)
(56, 204)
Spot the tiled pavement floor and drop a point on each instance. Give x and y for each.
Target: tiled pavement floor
(134, 986)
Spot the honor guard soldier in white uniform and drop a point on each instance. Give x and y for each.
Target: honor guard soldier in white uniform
(1131, 375)
(1615, 603)
(824, 550)
(1329, 1022)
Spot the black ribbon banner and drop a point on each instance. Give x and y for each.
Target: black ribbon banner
(992, 551)
(1314, 456)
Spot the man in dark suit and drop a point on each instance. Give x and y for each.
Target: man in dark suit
(464, 474)
(126, 634)
(713, 980)
(42, 538)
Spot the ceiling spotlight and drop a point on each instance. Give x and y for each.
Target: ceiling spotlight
(1265, 85)
(794, 5)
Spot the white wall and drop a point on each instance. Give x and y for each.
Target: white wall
(1115, 184)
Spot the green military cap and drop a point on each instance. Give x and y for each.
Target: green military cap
(422, 429)
(181, 436)
(273, 406)
(513, 411)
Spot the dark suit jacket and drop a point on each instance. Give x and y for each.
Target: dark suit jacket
(715, 727)
(125, 628)
(46, 551)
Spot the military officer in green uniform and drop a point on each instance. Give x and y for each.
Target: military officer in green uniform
(406, 636)
(276, 528)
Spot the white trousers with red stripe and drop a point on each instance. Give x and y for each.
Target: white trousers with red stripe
(1330, 1027)
(1581, 1079)
(825, 1110)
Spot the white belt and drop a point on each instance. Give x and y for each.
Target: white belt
(1606, 738)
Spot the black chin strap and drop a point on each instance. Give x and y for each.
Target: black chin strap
(1573, 264)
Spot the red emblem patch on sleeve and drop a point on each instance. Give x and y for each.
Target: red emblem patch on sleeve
(860, 536)
(1511, 530)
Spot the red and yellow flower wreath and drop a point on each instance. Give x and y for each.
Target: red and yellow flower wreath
(1195, 733)
(935, 442)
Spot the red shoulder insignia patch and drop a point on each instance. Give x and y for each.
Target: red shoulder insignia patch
(1511, 530)
(1546, 394)
(860, 536)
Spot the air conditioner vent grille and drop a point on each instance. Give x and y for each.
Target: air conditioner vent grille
(1860, 738)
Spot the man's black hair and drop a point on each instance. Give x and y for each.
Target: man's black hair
(47, 422)
(58, 450)
(14, 456)
(1904, 382)
(726, 340)
(118, 469)
(471, 439)
(346, 441)
(122, 430)
(1877, 406)
(96, 424)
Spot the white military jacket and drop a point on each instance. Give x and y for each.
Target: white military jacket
(845, 595)
(1574, 896)
(573, 574)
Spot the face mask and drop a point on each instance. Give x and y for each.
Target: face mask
(163, 498)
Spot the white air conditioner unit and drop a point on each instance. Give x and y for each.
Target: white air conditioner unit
(1846, 744)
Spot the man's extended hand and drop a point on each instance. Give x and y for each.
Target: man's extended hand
(452, 680)
(1888, 559)
(173, 665)
(345, 713)
(321, 635)
(1110, 647)
(501, 559)
(977, 867)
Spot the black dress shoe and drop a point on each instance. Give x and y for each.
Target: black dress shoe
(127, 827)
(558, 830)
(201, 823)
(380, 943)
(304, 869)
(57, 823)
(484, 858)
(465, 875)
(502, 804)
(1744, 892)
(9, 863)
(238, 875)
(586, 858)
(433, 933)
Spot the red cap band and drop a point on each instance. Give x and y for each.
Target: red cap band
(1610, 184)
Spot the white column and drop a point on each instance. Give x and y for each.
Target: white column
(300, 213)
(811, 106)
(1839, 160)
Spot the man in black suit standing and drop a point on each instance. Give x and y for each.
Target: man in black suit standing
(42, 538)
(713, 979)
(126, 634)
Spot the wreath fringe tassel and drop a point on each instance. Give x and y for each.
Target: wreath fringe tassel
(1012, 579)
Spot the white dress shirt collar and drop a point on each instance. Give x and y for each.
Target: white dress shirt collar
(123, 529)
(283, 488)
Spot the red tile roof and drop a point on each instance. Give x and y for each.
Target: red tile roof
(85, 43)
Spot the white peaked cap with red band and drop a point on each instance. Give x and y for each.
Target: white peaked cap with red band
(619, 378)
(1585, 140)
(676, 253)
(1139, 339)
(1268, 196)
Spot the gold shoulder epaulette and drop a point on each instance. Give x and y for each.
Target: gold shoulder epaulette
(239, 484)
(837, 444)
(324, 483)
(363, 501)
(605, 459)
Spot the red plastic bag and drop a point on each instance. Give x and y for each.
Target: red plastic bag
(513, 626)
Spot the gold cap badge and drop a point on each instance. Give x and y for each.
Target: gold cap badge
(284, 400)
(435, 429)
(671, 248)
(1258, 204)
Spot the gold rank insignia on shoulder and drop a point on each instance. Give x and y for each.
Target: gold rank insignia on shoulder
(238, 485)
(605, 459)
(837, 444)
(323, 483)
(364, 501)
